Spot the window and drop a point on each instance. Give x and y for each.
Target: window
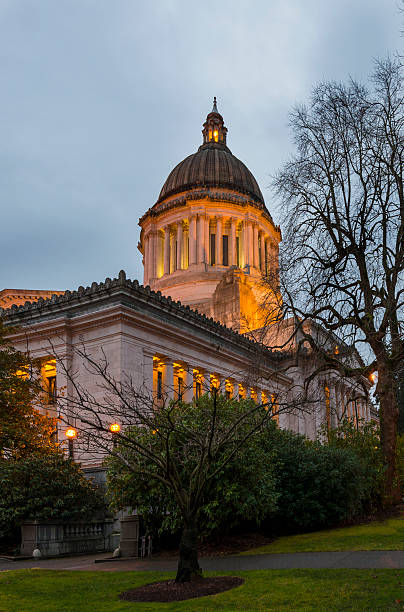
(212, 249)
(225, 250)
(180, 387)
(51, 389)
(198, 390)
(275, 408)
(159, 384)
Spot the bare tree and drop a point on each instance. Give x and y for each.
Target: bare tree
(343, 204)
(183, 446)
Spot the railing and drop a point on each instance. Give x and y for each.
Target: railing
(55, 538)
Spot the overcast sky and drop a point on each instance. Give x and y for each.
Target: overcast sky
(101, 99)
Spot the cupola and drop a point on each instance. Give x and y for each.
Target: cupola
(214, 129)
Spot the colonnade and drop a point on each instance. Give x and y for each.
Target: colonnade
(174, 380)
(211, 239)
(342, 402)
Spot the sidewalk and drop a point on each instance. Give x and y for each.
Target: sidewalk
(370, 559)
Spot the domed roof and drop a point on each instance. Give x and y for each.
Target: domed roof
(213, 165)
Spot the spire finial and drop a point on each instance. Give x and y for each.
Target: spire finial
(214, 109)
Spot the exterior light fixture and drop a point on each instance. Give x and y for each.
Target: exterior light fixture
(373, 377)
(115, 428)
(70, 434)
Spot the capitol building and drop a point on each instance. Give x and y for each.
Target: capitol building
(210, 253)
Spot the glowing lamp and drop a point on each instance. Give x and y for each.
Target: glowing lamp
(70, 433)
(373, 377)
(115, 428)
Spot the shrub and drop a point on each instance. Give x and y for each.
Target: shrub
(43, 488)
(364, 442)
(318, 485)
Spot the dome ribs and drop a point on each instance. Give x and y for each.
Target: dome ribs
(213, 165)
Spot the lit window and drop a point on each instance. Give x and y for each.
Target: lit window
(275, 408)
(159, 384)
(216, 136)
(225, 250)
(198, 390)
(51, 389)
(180, 387)
(212, 249)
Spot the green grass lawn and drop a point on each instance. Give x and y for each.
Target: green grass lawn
(384, 535)
(274, 590)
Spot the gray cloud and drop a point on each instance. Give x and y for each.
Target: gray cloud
(99, 100)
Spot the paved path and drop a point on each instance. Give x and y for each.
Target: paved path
(372, 559)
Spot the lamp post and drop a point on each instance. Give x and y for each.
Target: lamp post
(114, 428)
(71, 434)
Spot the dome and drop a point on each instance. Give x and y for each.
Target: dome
(212, 166)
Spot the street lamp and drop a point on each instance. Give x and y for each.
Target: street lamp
(70, 434)
(114, 428)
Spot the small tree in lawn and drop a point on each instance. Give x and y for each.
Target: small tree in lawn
(184, 446)
(343, 261)
(23, 429)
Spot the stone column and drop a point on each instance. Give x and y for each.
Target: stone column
(153, 245)
(201, 239)
(248, 246)
(168, 379)
(267, 248)
(233, 249)
(246, 243)
(207, 239)
(148, 373)
(167, 249)
(192, 240)
(188, 384)
(263, 253)
(206, 381)
(219, 242)
(255, 246)
(180, 248)
(235, 390)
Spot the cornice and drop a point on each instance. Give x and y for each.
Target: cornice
(212, 196)
(128, 293)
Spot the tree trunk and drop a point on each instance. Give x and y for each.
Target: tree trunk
(388, 428)
(188, 566)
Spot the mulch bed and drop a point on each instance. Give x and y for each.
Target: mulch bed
(169, 590)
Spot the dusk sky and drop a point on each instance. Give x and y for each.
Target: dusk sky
(101, 99)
